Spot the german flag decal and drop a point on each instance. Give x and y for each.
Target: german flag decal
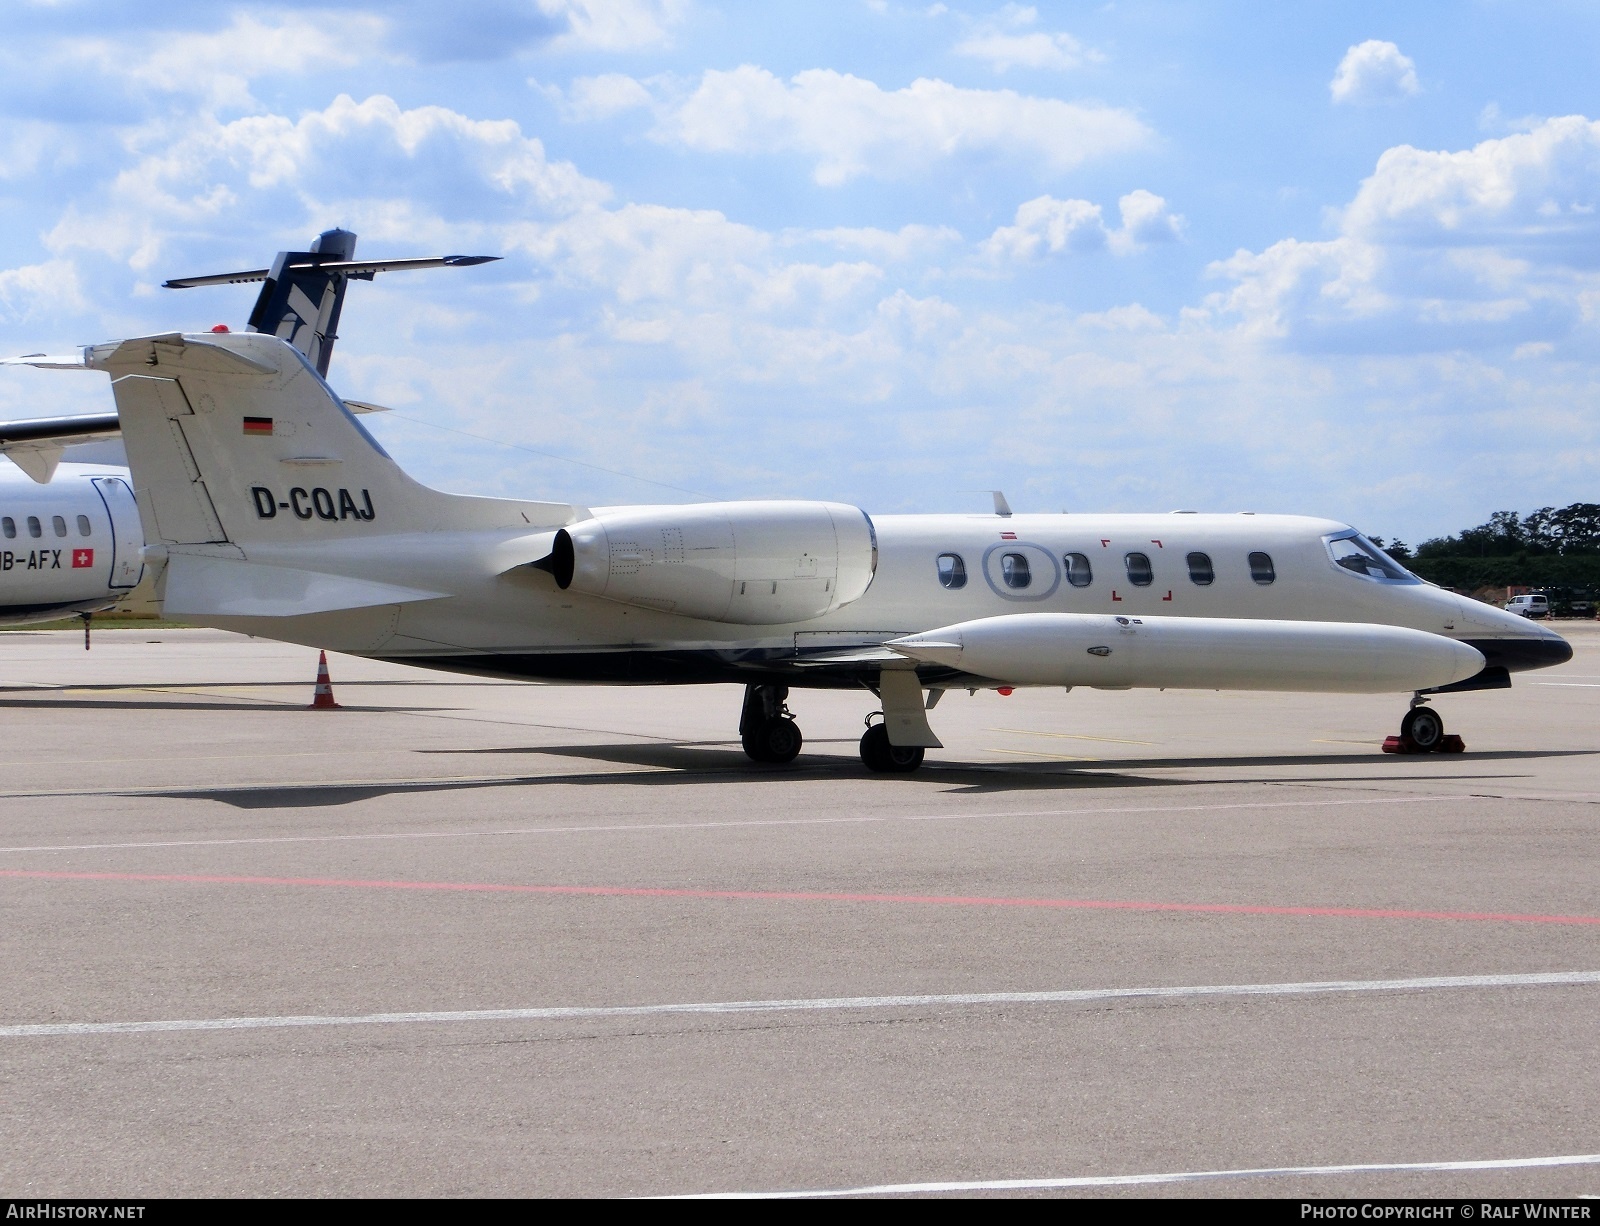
(258, 425)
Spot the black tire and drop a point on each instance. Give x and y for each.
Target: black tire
(1423, 728)
(880, 756)
(776, 741)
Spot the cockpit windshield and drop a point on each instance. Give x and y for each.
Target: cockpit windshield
(1355, 553)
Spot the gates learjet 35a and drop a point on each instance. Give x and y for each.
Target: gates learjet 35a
(269, 510)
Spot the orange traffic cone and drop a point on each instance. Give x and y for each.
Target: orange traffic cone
(322, 700)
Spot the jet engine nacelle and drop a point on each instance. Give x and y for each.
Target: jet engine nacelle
(748, 563)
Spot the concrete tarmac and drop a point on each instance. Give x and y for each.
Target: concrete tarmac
(416, 946)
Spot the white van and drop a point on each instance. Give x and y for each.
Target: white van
(1533, 604)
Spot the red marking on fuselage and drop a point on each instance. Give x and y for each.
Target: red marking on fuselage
(1168, 596)
(1157, 543)
(934, 900)
(1114, 595)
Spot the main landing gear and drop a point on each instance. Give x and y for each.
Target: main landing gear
(1422, 731)
(878, 755)
(766, 726)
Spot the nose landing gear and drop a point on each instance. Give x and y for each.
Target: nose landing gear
(1422, 731)
(766, 725)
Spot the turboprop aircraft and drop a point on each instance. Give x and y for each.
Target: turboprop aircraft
(70, 536)
(269, 510)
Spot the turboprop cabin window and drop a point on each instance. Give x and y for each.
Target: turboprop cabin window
(1200, 572)
(8, 526)
(952, 571)
(1261, 569)
(59, 524)
(1139, 573)
(1361, 557)
(33, 526)
(83, 525)
(1077, 567)
(1014, 570)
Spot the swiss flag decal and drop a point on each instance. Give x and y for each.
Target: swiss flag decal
(82, 558)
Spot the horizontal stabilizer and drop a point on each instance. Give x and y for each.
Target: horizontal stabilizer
(225, 587)
(360, 269)
(191, 352)
(302, 293)
(36, 445)
(48, 361)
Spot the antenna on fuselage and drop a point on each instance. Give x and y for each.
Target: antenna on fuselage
(1002, 508)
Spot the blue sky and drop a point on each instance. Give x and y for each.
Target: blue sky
(1337, 259)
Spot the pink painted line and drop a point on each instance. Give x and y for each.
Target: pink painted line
(936, 900)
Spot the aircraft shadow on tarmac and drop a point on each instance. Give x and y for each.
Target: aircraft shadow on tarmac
(698, 764)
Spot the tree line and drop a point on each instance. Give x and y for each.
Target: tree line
(1553, 547)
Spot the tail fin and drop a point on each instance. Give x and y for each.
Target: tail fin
(235, 439)
(303, 292)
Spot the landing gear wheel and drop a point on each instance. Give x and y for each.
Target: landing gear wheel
(776, 741)
(1423, 729)
(878, 755)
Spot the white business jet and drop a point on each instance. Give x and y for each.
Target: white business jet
(69, 532)
(268, 509)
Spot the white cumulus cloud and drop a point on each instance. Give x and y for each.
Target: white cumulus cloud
(1374, 71)
(851, 127)
(614, 25)
(1047, 226)
(352, 158)
(1490, 245)
(219, 66)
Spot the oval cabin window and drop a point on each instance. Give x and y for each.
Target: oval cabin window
(59, 524)
(1014, 570)
(8, 526)
(83, 525)
(33, 526)
(1139, 573)
(952, 571)
(1077, 567)
(1200, 572)
(1261, 569)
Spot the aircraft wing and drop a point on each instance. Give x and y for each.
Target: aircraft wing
(35, 446)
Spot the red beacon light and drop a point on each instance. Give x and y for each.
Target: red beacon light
(1004, 691)
(219, 328)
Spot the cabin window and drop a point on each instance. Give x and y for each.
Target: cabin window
(1139, 573)
(1014, 570)
(59, 524)
(1261, 568)
(952, 571)
(9, 527)
(1200, 572)
(83, 525)
(1360, 556)
(1077, 567)
(33, 526)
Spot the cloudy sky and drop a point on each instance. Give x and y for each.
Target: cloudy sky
(1331, 258)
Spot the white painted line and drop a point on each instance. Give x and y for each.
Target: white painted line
(1571, 685)
(648, 827)
(1126, 1181)
(1079, 996)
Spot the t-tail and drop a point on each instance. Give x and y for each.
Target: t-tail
(303, 292)
(261, 495)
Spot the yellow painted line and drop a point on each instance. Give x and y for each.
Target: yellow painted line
(1072, 736)
(1049, 757)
